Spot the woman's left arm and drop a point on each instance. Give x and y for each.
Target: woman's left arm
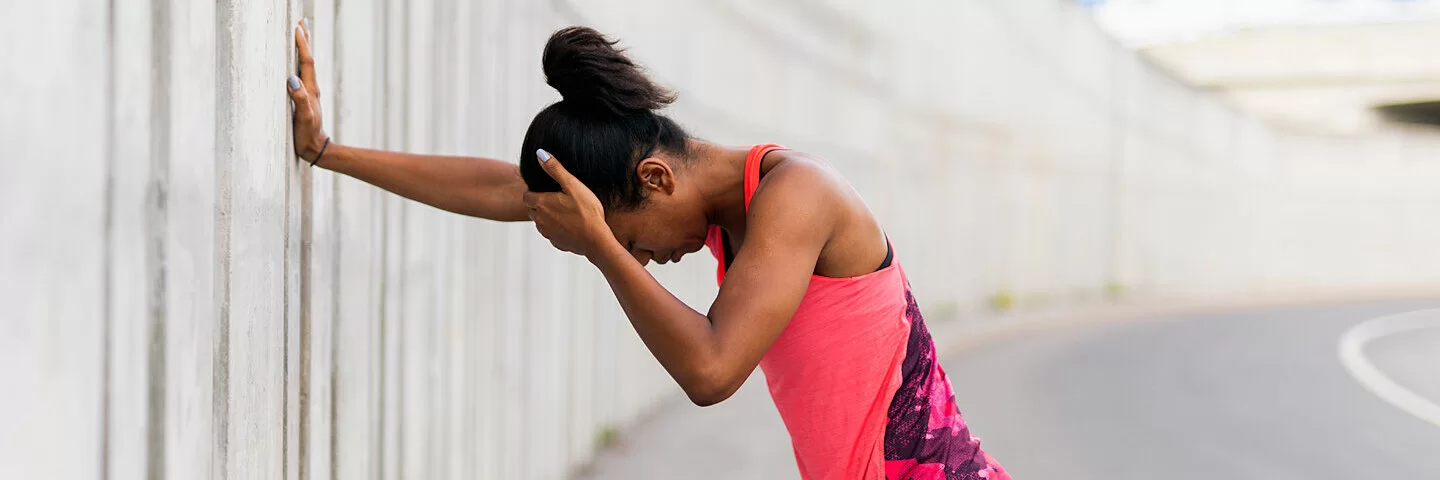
(710, 356)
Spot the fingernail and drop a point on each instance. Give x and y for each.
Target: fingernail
(294, 82)
(543, 155)
(305, 22)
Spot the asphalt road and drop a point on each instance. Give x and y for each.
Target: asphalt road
(1238, 396)
(1259, 395)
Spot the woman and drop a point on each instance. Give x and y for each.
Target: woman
(810, 289)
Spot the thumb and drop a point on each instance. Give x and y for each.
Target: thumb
(552, 166)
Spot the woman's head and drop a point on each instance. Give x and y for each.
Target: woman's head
(606, 133)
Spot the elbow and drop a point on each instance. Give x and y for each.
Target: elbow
(707, 390)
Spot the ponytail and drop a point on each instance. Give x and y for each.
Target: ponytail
(606, 121)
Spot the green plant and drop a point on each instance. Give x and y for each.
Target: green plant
(1002, 300)
(606, 437)
(1114, 290)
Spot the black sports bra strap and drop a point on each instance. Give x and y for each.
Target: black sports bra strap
(889, 255)
(727, 251)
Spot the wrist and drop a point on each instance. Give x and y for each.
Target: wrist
(330, 156)
(308, 147)
(324, 145)
(607, 252)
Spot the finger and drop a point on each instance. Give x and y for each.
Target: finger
(307, 61)
(552, 166)
(298, 94)
(530, 199)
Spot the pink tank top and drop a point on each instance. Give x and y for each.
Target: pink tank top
(835, 370)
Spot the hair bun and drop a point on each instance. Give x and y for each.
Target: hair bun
(588, 71)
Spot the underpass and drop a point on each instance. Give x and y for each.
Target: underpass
(185, 298)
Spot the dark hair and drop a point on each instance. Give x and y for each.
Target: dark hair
(604, 124)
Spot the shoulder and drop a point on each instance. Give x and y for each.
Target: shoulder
(790, 174)
(797, 188)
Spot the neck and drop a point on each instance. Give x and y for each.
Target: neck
(721, 175)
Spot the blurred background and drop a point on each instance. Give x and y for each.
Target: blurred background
(1154, 238)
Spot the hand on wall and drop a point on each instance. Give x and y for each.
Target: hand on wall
(310, 136)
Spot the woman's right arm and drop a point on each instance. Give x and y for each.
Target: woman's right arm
(478, 187)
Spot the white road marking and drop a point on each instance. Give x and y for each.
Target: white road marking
(1352, 355)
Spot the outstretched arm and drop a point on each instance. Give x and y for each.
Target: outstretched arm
(478, 187)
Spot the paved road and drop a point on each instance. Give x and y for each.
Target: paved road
(1244, 396)
(1411, 359)
(1253, 396)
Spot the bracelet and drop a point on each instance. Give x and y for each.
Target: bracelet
(322, 151)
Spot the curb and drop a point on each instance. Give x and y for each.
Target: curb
(953, 336)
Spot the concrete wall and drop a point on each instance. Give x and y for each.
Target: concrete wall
(183, 299)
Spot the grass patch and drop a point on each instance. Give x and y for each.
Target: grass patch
(1114, 290)
(1001, 301)
(607, 437)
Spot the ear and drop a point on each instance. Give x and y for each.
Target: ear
(655, 176)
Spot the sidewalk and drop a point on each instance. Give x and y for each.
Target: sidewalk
(740, 438)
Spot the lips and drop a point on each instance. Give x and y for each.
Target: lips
(681, 254)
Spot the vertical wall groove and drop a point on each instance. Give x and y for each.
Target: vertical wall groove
(401, 273)
(336, 32)
(107, 245)
(157, 220)
(382, 137)
(291, 61)
(224, 147)
(306, 240)
(399, 331)
(333, 375)
(381, 216)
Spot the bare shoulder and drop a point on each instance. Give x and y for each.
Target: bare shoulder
(792, 175)
(800, 190)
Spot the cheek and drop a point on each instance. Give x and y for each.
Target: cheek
(684, 227)
(664, 233)
(660, 229)
(661, 233)
(643, 231)
(624, 231)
